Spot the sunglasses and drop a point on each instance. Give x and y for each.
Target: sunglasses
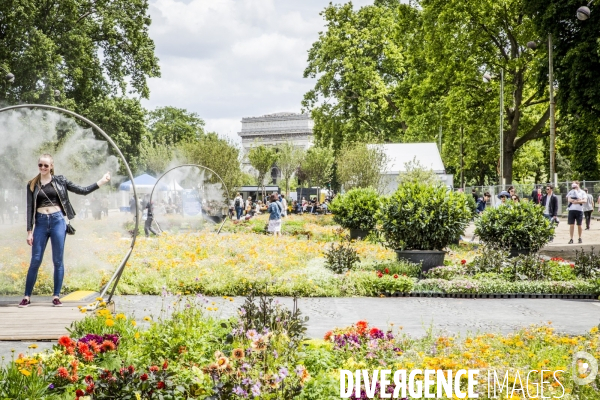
(43, 165)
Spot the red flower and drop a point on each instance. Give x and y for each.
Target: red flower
(362, 326)
(65, 341)
(572, 265)
(395, 276)
(153, 368)
(165, 365)
(144, 377)
(387, 271)
(130, 369)
(82, 347)
(108, 345)
(90, 388)
(380, 275)
(88, 356)
(463, 262)
(88, 379)
(160, 385)
(62, 372)
(79, 393)
(328, 335)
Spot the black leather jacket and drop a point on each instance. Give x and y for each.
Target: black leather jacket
(61, 185)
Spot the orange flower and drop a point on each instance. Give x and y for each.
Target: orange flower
(83, 347)
(237, 354)
(153, 368)
(328, 335)
(88, 356)
(62, 372)
(94, 346)
(362, 327)
(108, 345)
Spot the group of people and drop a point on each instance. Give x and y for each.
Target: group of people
(580, 205)
(95, 206)
(313, 206)
(275, 205)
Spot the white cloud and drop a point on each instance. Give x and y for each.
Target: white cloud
(228, 59)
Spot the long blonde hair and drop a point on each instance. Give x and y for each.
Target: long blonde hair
(38, 178)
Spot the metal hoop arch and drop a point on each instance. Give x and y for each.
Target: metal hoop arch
(198, 166)
(114, 280)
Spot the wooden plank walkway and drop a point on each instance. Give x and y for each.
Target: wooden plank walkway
(38, 321)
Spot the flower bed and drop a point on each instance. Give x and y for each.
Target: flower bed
(263, 354)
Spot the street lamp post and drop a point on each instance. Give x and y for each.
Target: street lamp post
(584, 12)
(487, 78)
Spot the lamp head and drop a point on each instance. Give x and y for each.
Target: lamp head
(487, 78)
(532, 45)
(56, 93)
(10, 78)
(583, 13)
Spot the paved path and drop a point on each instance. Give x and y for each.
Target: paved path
(415, 315)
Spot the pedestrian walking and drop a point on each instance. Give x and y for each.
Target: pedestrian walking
(275, 209)
(576, 198)
(550, 204)
(284, 204)
(149, 219)
(47, 205)
(238, 204)
(588, 209)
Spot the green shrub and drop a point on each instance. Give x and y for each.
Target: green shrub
(447, 272)
(356, 209)
(490, 259)
(422, 217)
(341, 257)
(401, 267)
(393, 283)
(587, 265)
(514, 225)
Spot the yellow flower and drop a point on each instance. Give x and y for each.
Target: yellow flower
(83, 310)
(109, 322)
(147, 319)
(102, 304)
(133, 322)
(137, 335)
(120, 316)
(33, 346)
(25, 372)
(99, 299)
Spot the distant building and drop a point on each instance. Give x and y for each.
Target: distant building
(275, 129)
(398, 154)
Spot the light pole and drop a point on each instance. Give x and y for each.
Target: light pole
(487, 78)
(533, 45)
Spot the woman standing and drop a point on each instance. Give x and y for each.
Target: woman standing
(275, 209)
(47, 204)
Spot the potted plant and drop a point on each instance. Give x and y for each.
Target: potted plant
(420, 220)
(520, 228)
(356, 210)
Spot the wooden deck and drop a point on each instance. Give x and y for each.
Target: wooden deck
(38, 321)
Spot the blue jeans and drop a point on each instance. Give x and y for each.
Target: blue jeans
(238, 212)
(53, 227)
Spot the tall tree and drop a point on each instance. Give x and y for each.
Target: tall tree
(317, 166)
(576, 65)
(215, 153)
(361, 166)
(173, 125)
(289, 158)
(262, 159)
(394, 71)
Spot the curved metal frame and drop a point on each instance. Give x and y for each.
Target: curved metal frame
(114, 280)
(198, 166)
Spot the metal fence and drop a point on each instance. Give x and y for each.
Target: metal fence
(524, 191)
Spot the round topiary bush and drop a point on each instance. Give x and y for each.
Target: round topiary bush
(356, 209)
(424, 217)
(514, 226)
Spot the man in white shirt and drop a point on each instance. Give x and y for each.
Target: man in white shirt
(588, 209)
(576, 198)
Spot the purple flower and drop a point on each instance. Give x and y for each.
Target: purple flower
(245, 367)
(283, 372)
(247, 381)
(239, 391)
(51, 386)
(256, 390)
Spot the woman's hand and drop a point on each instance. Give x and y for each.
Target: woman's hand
(30, 238)
(105, 179)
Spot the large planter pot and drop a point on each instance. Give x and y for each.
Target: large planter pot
(427, 258)
(358, 233)
(514, 252)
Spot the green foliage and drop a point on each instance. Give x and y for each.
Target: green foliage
(514, 225)
(587, 265)
(218, 154)
(155, 157)
(15, 385)
(398, 267)
(341, 258)
(415, 172)
(317, 166)
(86, 50)
(288, 161)
(262, 159)
(393, 283)
(356, 209)
(171, 125)
(423, 217)
(361, 166)
(490, 259)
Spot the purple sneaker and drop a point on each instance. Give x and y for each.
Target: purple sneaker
(24, 303)
(56, 302)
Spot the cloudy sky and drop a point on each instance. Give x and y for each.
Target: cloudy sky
(228, 59)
